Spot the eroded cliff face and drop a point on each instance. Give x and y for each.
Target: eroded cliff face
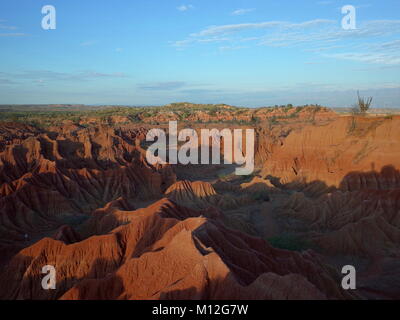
(53, 178)
(335, 152)
(169, 252)
(85, 200)
(343, 184)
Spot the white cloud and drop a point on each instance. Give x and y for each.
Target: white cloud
(392, 45)
(293, 33)
(2, 26)
(240, 12)
(185, 7)
(231, 48)
(375, 58)
(41, 76)
(88, 43)
(366, 5)
(324, 38)
(13, 34)
(373, 42)
(235, 28)
(160, 86)
(9, 27)
(185, 43)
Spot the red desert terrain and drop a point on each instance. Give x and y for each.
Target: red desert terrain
(81, 197)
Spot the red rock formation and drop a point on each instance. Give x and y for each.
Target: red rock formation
(67, 235)
(85, 200)
(49, 178)
(328, 153)
(200, 195)
(346, 201)
(193, 194)
(168, 252)
(363, 223)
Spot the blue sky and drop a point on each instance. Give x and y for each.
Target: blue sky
(151, 52)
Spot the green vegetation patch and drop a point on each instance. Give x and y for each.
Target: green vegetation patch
(290, 242)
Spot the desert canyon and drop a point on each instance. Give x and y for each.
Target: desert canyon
(80, 195)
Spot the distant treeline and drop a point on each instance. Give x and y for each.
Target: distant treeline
(50, 115)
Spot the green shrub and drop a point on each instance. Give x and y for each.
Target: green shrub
(261, 196)
(289, 242)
